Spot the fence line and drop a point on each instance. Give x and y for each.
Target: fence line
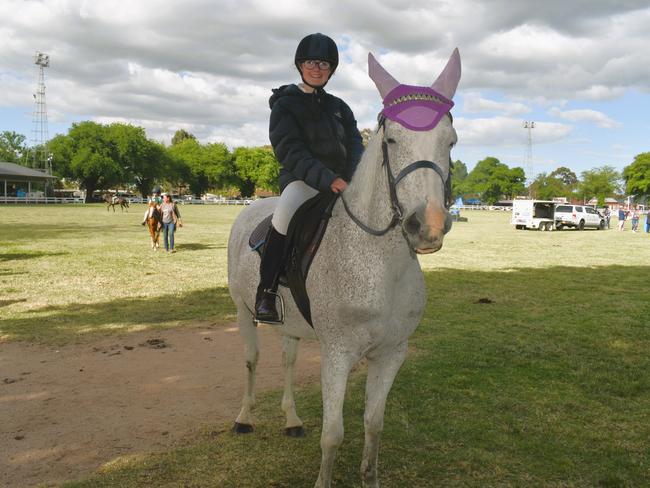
(60, 200)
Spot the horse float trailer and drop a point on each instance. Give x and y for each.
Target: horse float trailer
(533, 214)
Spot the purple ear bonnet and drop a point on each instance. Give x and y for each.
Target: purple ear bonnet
(416, 107)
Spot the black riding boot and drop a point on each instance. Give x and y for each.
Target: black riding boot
(270, 267)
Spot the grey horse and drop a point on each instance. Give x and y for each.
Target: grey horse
(365, 285)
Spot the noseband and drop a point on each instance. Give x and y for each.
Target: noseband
(393, 181)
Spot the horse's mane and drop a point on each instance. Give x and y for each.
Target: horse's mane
(363, 183)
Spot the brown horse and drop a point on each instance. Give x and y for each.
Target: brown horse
(111, 201)
(154, 224)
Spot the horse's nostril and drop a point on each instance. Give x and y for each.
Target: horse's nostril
(412, 224)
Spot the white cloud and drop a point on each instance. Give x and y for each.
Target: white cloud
(210, 65)
(586, 115)
(474, 103)
(506, 131)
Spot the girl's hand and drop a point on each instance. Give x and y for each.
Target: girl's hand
(338, 185)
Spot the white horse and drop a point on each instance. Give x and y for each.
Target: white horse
(365, 285)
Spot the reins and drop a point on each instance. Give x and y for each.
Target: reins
(393, 181)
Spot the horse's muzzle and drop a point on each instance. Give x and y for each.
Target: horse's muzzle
(426, 227)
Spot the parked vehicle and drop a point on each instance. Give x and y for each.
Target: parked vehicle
(533, 214)
(578, 216)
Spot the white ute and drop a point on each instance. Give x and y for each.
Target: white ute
(578, 216)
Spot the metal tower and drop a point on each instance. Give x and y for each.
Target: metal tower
(529, 126)
(41, 159)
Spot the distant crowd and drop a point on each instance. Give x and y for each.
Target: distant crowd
(631, 213)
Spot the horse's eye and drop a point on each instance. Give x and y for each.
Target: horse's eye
(390, 140)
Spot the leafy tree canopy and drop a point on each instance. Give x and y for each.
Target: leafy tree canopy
(180, 135)
(637, 175)
(493, 180)
(208, 165)
(89, 155)
(600, 183)
(12, 147)
(256, 168)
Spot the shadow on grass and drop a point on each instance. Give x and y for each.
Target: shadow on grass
(5, 303)
(8, 272)
(60, 324)
(531, 377)
(194, 246)
(20, 256)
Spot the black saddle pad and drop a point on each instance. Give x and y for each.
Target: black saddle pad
(304, 236)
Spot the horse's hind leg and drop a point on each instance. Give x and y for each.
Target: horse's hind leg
(382, 369)
(293, 427)
(248, 332)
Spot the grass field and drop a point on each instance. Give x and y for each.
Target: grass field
(530, 367)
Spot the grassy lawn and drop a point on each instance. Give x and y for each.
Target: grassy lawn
(530, 367)
(68, 273)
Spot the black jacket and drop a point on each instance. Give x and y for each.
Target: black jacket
(314, 137)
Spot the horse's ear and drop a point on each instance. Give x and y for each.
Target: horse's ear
(382, 78)
(447, 82)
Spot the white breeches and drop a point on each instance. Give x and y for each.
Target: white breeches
(294, 195)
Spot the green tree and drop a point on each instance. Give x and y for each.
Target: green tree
(180, 135)
(458, 178)
(492, 180)
(547, 186)
(209, 165)
(89, 155)
(567, 176)
(256, 167)
(600, 183)
(12, 147)
(366, 134)
(637, 175)
(141, 159)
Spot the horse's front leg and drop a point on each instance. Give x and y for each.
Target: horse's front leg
(248, 332)
(293, 426)
(383, 366)
(335, 370)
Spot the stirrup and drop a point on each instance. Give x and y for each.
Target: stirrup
(280, 320)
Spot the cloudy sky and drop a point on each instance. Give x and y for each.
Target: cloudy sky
(579, 68)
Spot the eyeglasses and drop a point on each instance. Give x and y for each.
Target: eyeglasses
(313, 64)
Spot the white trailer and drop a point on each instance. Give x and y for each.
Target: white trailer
(533, 214)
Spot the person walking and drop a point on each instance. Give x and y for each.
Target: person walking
(621, 218)
(171, 217)
(608, 215)
(634, 215)
(647, 221)
(316, 141)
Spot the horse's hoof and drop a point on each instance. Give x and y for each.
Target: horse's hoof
(298, 431)
(242, 428)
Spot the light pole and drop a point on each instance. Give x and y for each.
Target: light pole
(529, 126)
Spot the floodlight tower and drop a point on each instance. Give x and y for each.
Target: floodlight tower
(41, 160)
(529, 126)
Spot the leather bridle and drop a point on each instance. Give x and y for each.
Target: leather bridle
(393, 181)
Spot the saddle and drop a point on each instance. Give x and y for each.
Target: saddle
(304, 236)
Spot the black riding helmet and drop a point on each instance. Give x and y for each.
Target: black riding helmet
(318, 47)
(156, 190)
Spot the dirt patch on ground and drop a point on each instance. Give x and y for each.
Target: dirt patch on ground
(66, 411)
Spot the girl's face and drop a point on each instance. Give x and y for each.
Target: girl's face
(166, 199)
(314, 76)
